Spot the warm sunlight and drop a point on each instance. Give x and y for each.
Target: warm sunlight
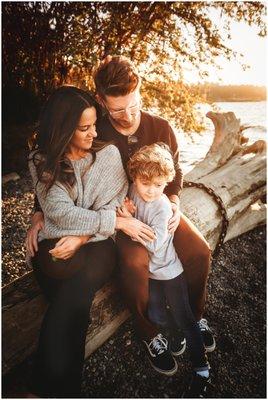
(134, 199)
(254, 49)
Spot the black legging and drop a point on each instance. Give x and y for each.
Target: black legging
(61, 348)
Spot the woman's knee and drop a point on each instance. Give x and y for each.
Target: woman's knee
(98, 264)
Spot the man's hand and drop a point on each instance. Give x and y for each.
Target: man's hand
(174, 221)
(67, 246)
(136, 229)
(32, 234)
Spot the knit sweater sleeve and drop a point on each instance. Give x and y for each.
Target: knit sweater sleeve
(65, 218)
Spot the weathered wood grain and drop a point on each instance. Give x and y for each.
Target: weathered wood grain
(23, 307)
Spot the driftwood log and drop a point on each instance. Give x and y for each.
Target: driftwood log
(235, 171)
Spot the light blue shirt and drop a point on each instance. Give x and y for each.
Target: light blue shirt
(164, 262)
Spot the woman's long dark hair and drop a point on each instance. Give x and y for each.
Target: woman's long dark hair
(57, 124)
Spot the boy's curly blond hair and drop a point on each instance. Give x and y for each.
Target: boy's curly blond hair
(151, 162)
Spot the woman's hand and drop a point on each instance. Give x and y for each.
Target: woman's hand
(174, 221)
(136, 229)
(67, 246)
(32, 233)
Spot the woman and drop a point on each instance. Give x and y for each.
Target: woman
(79, 184)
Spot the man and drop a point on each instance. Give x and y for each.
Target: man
(118, 91)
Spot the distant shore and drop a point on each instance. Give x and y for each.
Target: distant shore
(235, 101)
(231, 93)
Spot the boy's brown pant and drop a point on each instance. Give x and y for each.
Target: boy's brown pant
(195, 255)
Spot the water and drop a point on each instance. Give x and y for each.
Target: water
(195, 146)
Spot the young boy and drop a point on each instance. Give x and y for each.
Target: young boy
(150, 169)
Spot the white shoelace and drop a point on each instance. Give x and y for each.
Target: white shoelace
(203, 324)
(158, 345)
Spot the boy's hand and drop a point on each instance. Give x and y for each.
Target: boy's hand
(127, 209)
(123, 212)
(130, 206)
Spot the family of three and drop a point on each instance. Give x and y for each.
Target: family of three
(107, 181)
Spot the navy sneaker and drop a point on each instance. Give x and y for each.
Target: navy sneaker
(198, 387)
(177, 344)
(208, 338)
(159, 356)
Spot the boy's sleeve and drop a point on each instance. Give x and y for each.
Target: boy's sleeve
(159, 223)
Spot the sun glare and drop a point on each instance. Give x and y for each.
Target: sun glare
(254, 49)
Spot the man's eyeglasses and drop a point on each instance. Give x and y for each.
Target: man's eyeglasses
(133, 110)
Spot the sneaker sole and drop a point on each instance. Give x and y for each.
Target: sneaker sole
(211, 348)
(163, 372)
(178, 353)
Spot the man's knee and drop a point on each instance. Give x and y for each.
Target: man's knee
(204, 252)
(199, 254)
(197, 265)
(135, 262)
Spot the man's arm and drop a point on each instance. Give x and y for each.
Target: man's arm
(174, 187)
(174, 221)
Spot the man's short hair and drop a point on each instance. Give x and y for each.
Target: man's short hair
(115, 76)
(150, 162)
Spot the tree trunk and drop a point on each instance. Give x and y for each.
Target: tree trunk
(234, 171)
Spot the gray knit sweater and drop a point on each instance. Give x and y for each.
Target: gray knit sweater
(89, 208)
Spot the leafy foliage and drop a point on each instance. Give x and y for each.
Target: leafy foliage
(46, 44)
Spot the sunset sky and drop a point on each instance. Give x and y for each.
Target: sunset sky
(244, 40)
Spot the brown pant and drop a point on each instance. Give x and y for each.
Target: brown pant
(195, 255)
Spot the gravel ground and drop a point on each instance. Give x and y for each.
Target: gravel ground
(17, 204)
(119, 369)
